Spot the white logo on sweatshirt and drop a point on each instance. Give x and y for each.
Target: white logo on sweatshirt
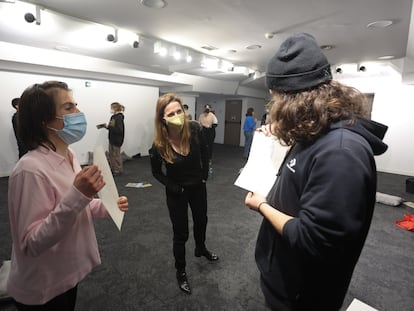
(291, 165)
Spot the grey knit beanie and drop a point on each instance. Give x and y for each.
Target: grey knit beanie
(298, 65)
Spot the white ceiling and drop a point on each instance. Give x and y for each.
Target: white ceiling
(228, 25)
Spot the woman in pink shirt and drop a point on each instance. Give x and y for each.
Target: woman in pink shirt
(51, 203)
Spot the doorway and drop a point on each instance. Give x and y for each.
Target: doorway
(232, 123)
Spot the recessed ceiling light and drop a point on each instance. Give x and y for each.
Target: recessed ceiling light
(63, 48)
(253, 47)
(155, 4)
(380, 24)
(386, 57)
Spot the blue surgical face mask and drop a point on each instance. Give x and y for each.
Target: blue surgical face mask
(74, 127)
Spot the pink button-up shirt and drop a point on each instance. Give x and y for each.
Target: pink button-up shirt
(54, 241)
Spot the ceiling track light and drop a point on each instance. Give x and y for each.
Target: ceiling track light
(113, 37)
(135, 43)
(30, 18)
(361, 68)
(187, 56)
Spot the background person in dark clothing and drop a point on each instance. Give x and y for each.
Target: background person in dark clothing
(209, 122)
(318, 213)
(116, 134)
(179, 144)
(189, 116)
(20, 145)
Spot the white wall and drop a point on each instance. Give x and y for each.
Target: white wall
(94, 101)
(393, 106)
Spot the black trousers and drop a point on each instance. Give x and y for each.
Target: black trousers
(62, 302)
(209, 134)
(177, 202)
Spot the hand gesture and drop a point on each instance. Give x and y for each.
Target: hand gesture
(89, 181)
(265, 129)
(122, 203)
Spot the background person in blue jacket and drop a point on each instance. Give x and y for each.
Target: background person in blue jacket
(318, 213)
(249, 127)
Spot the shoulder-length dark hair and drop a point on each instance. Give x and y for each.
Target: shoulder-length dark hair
(37, 109)
(304, 116)
(161, 130)
(249, 111)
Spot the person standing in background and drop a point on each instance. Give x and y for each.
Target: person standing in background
(180, 146)
(20, 145)
(116, 134)
(318, 213)
(265, 117)
(208, 121)
(249, 126)
(51, 203)
(189, 116)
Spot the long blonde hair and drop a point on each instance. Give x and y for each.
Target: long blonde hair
(161, 141)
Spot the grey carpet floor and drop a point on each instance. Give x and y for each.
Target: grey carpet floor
(137, 270)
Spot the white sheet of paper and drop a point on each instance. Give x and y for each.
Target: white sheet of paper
(109, 194)
(358, 305)
(259, 173)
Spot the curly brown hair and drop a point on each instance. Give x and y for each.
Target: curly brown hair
(306, 115)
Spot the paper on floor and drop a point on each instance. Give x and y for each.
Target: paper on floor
(143, 184)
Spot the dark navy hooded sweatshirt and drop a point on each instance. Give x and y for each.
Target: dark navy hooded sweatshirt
(329, 188)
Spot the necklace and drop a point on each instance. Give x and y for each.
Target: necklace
(177, 146)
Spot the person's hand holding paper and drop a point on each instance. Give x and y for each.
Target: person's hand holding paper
(115, 205)
(259, 173)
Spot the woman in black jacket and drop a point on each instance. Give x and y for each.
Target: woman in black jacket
(179, 144)
(116, 134)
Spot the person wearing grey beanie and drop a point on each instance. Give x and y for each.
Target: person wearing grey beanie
(298, 65)
(317, 215)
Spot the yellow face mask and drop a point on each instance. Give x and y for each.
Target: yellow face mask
(176, 121)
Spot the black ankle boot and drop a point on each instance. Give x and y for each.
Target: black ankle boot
(183, 282)
(206, 253)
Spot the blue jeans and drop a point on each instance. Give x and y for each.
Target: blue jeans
(248, 135)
